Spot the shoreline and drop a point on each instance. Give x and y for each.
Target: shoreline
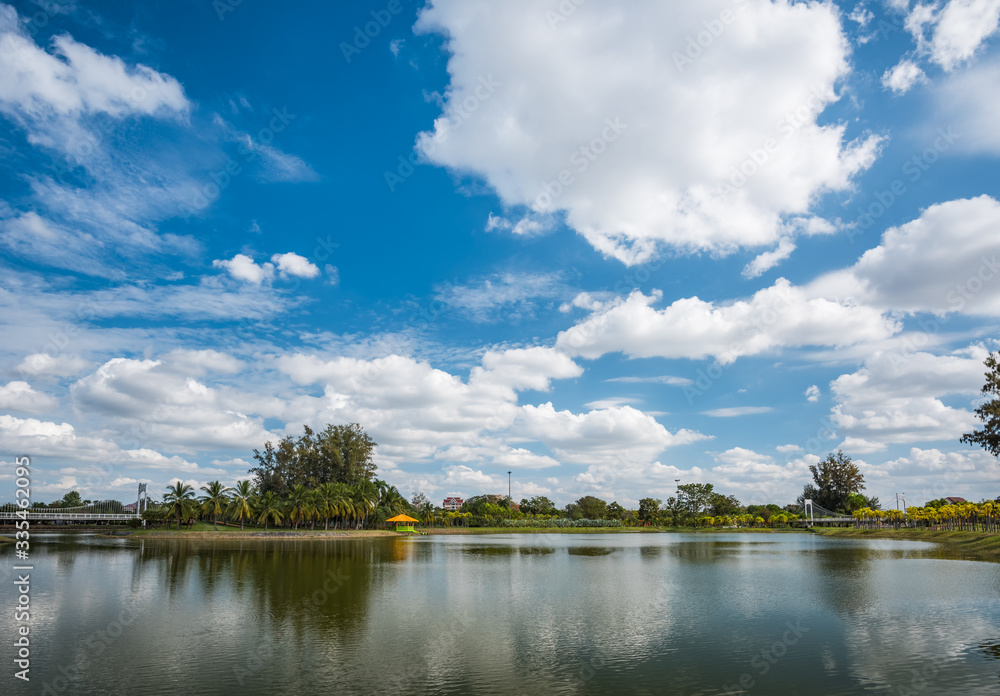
(432, 531)
(975, 545)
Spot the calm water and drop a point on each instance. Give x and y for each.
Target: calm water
(509, 614)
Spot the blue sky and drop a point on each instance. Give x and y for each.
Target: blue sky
(602, 247)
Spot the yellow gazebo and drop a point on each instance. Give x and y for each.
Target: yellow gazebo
(404, 523)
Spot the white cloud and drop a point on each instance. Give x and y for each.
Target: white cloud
(519, 458)
(37, 87)
(242, 267)
(603, 437)
(22, 398)
(645, 165)
(504, 296)
(154, 402)
(897, 398)
(901, 77)
(737, 411)
(961, 27)
(785, 449)
(659, 379)
(530, 225)
(525, 368)
(60, 365)
(970, 100)
(944, 261)
(291, 264)
(757, 478)
(813, 393)
(929, 474)
(769, 259)
(781, 315)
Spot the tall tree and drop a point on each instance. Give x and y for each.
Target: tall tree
(989, 413)
(179, 500)
(538, 505)
(241, 503)
(649, 509)
(338, 454)
(214, 501)
(269, 507)
(695, 498)
(592, 508)
(300, 505)
(835, 479)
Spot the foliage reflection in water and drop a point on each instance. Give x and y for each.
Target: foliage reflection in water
(539, 613)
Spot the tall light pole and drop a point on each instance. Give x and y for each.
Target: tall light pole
(510, 503)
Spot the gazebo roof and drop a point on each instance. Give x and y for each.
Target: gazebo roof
(401, 518)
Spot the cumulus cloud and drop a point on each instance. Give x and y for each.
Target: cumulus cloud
(38, 87)
(944, 261)
(291, 264)
(164, 405)
(813, 393)
(901, 77)
(605, 437)
(769, 259)
(960, 28)
(898, 398)
(22, 398)
(781, 315)
(571, 122)
(61, 365)
(242, 267)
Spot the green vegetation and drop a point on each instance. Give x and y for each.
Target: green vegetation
(935, 515)
(989, 412)
(837, 485)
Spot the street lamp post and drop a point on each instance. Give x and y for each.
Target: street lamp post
(510, 503)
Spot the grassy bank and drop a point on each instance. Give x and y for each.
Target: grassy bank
(973, 544)
(204, 530)
(602, 530)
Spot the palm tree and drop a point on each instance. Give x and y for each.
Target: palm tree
(179, 500)
(365, 497)
(300, 504)
(214, 501)
(240, 505)
(269, 507)
(344, 506)
(327, 502)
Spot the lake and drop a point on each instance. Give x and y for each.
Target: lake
(509, 614)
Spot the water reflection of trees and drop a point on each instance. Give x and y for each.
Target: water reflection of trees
(321, 584)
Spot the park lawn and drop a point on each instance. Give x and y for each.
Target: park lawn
(600, 530)
(979, 544)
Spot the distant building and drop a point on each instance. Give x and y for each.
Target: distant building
(954, 501)
(452, 503)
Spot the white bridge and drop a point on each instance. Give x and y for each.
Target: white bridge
(816, 514)
(98, 511)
